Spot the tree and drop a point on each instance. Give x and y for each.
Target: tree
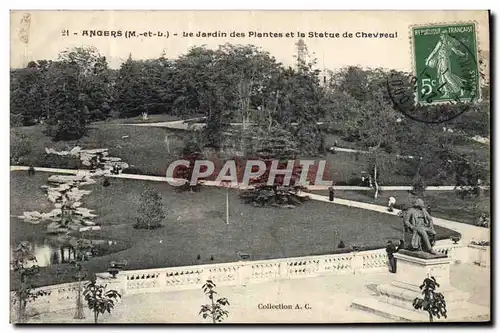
(98, 299)
(254, 76)
(150, 213)
(28, 88)
(275, 142)
(78, 91)
(69, 115)
(278, 194)
(81, 250)
(144, 87)
(202, 86)
(367, 117)
(433, 302)
(25, 270)
(215, 309)
(20, 147)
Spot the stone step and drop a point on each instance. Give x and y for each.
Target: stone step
(404, 298)
(465, 312)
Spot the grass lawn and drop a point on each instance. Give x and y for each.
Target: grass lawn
(26, 195)
(345, 167)
(144, 148)
(444, 204)
(331, 138)
(195, 224)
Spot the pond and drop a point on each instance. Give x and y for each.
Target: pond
(48, 253)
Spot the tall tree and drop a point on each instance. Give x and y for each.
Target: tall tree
(28, 92)
(79, 90)
(300, 101)
(68, 117)
(94, 79)
(367, 117)
(26, 270)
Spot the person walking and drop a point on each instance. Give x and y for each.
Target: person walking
(392, 202)
(391, 249)
(401, 245)
(331, 193)
(31, 170)
(483, 221)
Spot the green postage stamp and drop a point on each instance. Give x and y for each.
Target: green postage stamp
(445, 63)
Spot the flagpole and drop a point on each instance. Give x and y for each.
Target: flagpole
(227, 205)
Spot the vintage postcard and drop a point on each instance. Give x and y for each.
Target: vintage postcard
(228, 167)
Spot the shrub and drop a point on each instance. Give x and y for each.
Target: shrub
(418, 185)
(133, 171)
(389, 148)
(353, 181)
(62, 162)
(16, 120)
(150, 212)
(19, 148)
(66, 129)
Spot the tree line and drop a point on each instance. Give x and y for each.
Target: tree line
(278, 106)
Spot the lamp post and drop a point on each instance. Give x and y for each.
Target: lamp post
(227, 205)
(80, 251)
(227, 184)
(79, 304)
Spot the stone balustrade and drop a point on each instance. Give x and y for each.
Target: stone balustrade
(63, 296)
(479, 255)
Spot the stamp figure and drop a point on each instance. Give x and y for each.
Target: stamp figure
(444, 59)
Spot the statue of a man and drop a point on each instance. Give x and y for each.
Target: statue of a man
(419, 222)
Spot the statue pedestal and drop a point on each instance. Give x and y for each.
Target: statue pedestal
(395, 300)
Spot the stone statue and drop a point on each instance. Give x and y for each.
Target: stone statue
(419, 222)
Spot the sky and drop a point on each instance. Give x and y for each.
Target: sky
(42, 35)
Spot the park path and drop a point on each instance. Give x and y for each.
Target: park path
(185, 123)
(468, 232)
(239, 186)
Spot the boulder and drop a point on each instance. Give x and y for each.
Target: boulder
(88, 181)
(55, 227)
(52, 198)
(94, 151)
(111, 159)
(31, 215)
(75, 151)
(88, 223)
(74, 227)
(53, 213)
(85, 212)
(63, 187)
(59, 179)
